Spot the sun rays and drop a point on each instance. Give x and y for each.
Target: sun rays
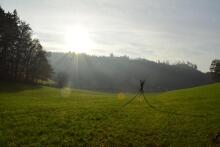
(77, 39)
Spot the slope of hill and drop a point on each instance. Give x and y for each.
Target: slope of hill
(123, 74)
(42, 116)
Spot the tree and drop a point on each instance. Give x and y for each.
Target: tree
(21, 57)
(215, 70)
(61, 79)
(8, 36)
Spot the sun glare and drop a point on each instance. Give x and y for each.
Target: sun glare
(78, 40)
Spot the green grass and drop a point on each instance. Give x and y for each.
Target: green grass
(44, 116)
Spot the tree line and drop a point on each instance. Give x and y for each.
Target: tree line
(110, 73)
(22, 58)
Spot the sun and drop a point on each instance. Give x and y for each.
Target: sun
(77, 40)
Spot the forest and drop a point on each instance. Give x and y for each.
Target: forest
(111, 73)
(22, 57)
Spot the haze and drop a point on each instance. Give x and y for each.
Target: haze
(156, 30)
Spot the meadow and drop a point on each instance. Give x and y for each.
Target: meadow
(45, 116)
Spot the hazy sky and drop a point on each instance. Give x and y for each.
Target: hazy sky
(172, 30)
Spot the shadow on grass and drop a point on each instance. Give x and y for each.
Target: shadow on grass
(149, 105)
(17, 86)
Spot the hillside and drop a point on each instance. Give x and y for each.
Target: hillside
(42, 116)
(116, 74)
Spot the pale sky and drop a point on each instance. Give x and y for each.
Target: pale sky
(186, 30)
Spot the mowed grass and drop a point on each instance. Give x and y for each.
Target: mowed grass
(45, 116)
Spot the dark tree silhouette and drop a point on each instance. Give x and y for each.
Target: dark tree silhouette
(21, 57)
(61, 79)
(215, 70)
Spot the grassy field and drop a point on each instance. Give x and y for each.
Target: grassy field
(44, 116)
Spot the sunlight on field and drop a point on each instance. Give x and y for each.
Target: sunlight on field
(38, 116)
(121, 96)
(65, 92)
